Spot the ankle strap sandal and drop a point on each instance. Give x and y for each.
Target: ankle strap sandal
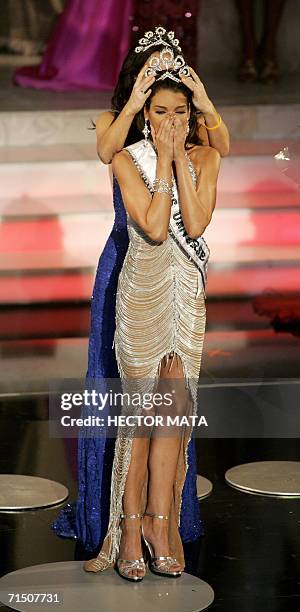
(160, 564)
(160, 516)
(125, 566)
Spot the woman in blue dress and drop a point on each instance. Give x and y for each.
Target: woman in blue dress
(87, 518)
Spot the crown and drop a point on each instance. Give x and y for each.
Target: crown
(169, 65)
(156, 38)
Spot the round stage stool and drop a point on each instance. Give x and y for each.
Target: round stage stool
(273, 478)
(19, 492)
(204, 487)
(72, 588)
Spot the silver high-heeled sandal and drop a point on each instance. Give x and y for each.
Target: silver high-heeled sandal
(165, 562)
(127, 565)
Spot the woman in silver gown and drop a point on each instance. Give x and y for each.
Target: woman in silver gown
(160, 320)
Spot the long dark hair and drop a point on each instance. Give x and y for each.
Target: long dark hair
(130, 68)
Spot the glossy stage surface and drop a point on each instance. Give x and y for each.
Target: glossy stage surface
(73, 589)
(70, 588)
(204, 487)
(20, 492)
(274, 478)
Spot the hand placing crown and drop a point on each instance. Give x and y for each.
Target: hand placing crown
(169, 65)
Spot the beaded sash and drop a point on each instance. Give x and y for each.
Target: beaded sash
(197, 250)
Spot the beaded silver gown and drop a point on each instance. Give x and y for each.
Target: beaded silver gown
(160, 311)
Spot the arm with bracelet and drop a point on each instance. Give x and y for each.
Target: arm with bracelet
(212, 129)
(150, 212)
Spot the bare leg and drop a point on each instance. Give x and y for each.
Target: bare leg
(273, 12)
(130, 545)
(160, 455)
(269, 69)
(246, 12)
(163, 457)
(247, 70)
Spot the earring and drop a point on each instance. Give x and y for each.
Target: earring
(146, 133)
(187, 127)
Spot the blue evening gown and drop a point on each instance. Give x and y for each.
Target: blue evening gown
(86, 519)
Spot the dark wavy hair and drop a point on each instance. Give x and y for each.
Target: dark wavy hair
(131, 66)
(130, 69)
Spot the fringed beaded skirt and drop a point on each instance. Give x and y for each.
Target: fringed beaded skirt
(159, 311)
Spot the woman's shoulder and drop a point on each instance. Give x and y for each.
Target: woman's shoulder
(121, 159)
(134, 148)
(200, 151)
(203, 153)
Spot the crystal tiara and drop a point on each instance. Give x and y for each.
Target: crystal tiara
(168, 65)
(156, 38)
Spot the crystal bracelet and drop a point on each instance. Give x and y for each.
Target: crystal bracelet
(162, 186)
